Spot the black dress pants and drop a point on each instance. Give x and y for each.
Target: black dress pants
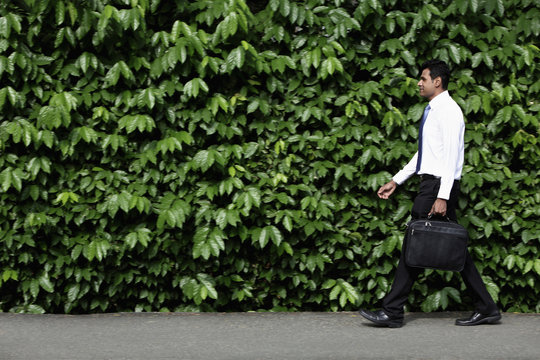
(405, 275)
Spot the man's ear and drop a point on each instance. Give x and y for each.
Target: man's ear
(438, 81)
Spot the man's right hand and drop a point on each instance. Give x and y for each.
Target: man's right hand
(387, 189)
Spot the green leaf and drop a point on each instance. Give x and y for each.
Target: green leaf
(60, 12)
(73, 292)
(34, 288)
(509, 261)
(231, 23)
(275, 234)
(191, 89)
(335, 292)
(16, 179)
(474, 5)
(46, 283)
(352, 294)
(221, 218)
(235, 59)
(113, 75)
(73, 13)
(5, 27)
(287, 223)
(285, 8)
(455, 54)
(499, 6)
(288, 248)
(492, 288)
(203, 160)
(432, 302)
(537, 266)
(210, 290)
(264, 237)
(125, 70)
(328, 284)
(5, 179)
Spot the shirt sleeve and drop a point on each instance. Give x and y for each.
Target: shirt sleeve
(452, 127)
(408, 171)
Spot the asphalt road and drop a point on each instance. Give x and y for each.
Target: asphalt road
(300, 335)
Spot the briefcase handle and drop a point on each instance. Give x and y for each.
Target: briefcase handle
(442, 217)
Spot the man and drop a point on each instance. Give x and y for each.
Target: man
(438, 162)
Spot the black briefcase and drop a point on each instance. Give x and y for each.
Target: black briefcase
(436, 244)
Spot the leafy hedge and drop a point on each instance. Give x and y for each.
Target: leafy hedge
(224, 155)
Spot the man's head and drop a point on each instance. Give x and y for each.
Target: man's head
(434, 78)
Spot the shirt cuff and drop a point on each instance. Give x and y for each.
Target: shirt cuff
(445, 188)
(400, 177)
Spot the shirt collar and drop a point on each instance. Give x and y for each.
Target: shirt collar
(439, 99)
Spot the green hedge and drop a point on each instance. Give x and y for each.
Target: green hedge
(224, 155)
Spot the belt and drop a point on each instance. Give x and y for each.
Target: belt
(429, 177)
(432, 177)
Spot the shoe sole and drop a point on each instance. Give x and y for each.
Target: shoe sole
(393, 325)
(488, 320)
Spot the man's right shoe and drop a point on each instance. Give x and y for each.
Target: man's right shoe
(379, 317)
(478, 318)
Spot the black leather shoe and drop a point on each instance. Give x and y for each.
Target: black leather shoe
(478, 318)
(379, 317)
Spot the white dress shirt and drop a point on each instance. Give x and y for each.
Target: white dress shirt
(442, 145)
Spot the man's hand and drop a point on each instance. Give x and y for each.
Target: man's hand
(438, 208)
(387, 189)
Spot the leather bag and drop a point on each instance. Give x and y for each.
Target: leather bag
(436, 244)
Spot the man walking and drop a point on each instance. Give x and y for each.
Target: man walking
(438, 162)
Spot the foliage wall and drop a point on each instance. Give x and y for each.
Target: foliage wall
(224, 155)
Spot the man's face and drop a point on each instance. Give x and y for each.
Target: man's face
(427, 85)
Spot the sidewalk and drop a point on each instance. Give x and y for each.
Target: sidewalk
(158, 336)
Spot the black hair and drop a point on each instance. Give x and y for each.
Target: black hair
(438, 68)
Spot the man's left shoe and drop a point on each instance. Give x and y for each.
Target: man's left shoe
(478, 318)
(379, 317)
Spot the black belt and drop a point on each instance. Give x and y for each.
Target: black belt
(429, 177)
(432, 177)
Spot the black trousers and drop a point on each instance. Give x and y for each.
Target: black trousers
(405, 275)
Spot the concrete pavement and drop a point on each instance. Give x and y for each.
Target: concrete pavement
(159, 336)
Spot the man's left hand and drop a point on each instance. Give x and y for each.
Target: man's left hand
(438, 208)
